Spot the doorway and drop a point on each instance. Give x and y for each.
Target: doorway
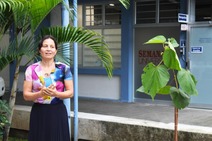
(200, 63)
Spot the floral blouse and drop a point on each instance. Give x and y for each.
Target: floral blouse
(34, 73)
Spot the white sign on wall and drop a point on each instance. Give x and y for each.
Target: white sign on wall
(197, 49)
(182, 18)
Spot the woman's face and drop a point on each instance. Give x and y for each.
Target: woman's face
(48, 49)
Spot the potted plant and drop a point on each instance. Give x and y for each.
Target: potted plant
(168, 77)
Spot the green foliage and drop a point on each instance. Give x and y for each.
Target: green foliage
(4, 111)
(160, 77)
(179, 98)
(170, 59)
(187, 82)
(125, 3)
(156, 78)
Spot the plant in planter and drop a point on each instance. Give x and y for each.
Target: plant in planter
(4, 111)
(168, 77)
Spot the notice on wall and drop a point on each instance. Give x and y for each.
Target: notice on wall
(197, 49)
(146, 56)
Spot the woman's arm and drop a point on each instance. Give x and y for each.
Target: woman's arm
(27, 92)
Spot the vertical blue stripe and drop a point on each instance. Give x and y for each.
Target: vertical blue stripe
(127, 94)
(65, 22)
(75, 77)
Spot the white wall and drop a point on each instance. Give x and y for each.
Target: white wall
(98, 86)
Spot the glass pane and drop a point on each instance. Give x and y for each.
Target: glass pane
(112, 14)
(145, 12)
(203, 10)
(169, 11)
(112, 31)
(93, 15)
(90, 59)
(113, 39)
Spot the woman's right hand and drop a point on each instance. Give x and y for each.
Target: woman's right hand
(42, 91)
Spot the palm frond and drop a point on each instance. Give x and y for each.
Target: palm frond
(63, 53)
(125, 3)
(10, 4)
(41, 10)
(89, 38)
(7, 10)
(14, 52)
(71, 9)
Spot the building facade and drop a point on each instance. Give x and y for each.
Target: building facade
(125, 31)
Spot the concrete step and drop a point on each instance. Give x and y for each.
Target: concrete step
(98, 127)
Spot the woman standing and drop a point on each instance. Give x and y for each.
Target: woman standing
(47, 83)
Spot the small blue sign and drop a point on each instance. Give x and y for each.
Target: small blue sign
(182, 18)
(197, 49)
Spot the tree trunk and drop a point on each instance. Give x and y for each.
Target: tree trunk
(176, 124)
(12, 101)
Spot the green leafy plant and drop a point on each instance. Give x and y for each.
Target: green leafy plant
(168, 77)
(4, 111)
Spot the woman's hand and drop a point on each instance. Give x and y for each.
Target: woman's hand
(50, 91)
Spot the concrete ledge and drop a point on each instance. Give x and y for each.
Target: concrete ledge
(110, 128)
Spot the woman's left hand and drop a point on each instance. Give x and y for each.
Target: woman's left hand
(51, 91)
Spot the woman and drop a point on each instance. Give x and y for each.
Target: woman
(47, 83)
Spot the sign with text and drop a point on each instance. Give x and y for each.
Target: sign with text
(197, 49)
(182, 18)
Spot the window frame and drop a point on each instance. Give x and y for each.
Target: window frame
(102, 28)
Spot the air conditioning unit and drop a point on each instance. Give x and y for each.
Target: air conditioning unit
(2, 86)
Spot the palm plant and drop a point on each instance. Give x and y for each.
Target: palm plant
(23, 17)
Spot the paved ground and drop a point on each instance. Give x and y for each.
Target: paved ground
(146, 111)
(140, 110)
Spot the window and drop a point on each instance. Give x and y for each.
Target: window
(157, 11)
(106, 20)
(146, 12)
(203, 10)
(98, 15)
(169, 10)
(112, 14)
(93, 15)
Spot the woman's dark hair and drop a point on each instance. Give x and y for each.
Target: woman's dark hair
(40, 44)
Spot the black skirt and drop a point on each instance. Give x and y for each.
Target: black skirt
(49, 122)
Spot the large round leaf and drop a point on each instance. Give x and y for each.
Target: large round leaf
(187, 82)
(179, 98)
(172, 43)
(165, 90)
(171, 59)
(141, 89)
(158, 39)
(154, 78)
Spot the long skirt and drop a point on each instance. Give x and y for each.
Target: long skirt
(49, 122)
